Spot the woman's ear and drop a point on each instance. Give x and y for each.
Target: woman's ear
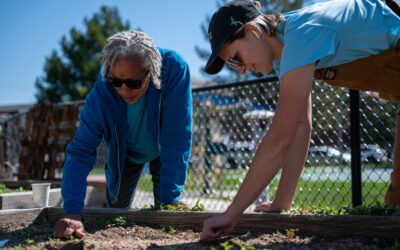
(253, 29)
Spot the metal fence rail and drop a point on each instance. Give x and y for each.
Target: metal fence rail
(230, 120)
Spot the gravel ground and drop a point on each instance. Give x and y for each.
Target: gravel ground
(133, 236)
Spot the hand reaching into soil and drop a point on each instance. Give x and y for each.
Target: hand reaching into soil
(70, 224)
(216, 227)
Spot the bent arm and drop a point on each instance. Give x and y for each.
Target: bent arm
(81, 157)
(176, 132)
(274, 148)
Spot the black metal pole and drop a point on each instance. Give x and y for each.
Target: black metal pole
(356, 186)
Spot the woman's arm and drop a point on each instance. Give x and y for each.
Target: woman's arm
(270, 156)
(293, 166)
(271, 153)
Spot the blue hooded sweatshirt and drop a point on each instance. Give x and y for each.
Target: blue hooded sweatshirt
(104, 116)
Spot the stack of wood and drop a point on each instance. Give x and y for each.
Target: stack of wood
(49, 129)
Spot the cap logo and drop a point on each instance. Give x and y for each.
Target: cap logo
(209, 36)
(234, 22)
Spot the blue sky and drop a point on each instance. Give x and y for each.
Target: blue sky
(30, 30)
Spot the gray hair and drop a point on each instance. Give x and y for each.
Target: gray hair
(133, 43)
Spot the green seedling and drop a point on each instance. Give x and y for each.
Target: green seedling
(120, 220)
(198, 206)
(170, 207)
(376, 209)
(4, 229)
(92, 246)
(29, 241)
(71, 237)
(4, 189)
(51, 239)
(172, 231)
(244, 246)
(226, 246)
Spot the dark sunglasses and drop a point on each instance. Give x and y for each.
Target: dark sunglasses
(132, 84)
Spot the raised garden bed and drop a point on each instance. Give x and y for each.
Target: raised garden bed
(142, 229)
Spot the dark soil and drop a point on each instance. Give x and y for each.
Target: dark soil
(133, 236)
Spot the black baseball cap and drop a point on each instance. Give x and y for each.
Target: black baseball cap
(224, 23)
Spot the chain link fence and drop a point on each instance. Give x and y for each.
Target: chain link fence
(230, 120)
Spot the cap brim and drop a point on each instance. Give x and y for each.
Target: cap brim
(215, 63)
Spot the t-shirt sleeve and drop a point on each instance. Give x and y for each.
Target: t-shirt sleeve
(306, 44)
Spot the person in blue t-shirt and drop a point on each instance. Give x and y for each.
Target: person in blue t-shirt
(350, 43)
(141, 105)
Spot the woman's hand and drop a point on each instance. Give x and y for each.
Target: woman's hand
(216, 227)
(69, 225)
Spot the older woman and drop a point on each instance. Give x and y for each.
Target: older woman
(133, 107)
(350, 43)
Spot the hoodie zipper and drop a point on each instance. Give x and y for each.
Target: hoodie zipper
(119, 168)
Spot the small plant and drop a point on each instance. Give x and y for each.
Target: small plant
(198, 206)
(3, 229)
(120, 220)
(178, 207)
(244, 246)
(226, 246)
(92, 246)
(291, 233)
(71, 237)
(172, 231)
(4, 189)
(29, 241)
(376, 209)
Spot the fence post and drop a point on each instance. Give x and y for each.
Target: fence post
(356, 185)
(2, 158)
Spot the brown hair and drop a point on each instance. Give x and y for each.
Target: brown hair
(266, 23)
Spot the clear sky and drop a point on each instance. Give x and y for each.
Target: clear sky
(31, 29)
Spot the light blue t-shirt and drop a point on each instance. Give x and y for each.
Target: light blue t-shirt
(140, 142)
(336, 32)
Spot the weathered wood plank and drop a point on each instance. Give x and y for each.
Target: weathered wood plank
(332, 225)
